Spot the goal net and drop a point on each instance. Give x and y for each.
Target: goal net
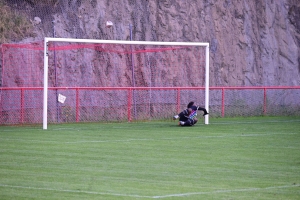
(90, 80)
(80, 80)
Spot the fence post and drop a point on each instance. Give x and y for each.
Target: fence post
(178, 100)
(223, 102)
(265, 101)
(22, 106)
(77, 105)
(129, 104)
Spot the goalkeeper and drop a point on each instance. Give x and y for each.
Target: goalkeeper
(188, 116)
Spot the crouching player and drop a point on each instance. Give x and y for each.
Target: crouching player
(188, 116)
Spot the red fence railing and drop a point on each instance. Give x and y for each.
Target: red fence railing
(290, 98)
(24, 105)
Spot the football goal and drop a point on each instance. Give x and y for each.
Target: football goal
(91, 80)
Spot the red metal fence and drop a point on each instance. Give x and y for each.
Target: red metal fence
(24, 105)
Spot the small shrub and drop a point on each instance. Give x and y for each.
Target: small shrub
(13, 25)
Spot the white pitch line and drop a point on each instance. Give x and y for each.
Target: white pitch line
(74, 191)
(180, 138)
(152, 197)
(256, 122)
(151, 139)
(102, 141)
(224, 191)
(212, 123)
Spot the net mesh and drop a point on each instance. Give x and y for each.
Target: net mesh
(116, 65)
(104, 65)
(105, 82)
(22, 65)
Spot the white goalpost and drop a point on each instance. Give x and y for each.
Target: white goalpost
(47, 40)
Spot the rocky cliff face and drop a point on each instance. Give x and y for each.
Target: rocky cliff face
(252, 43)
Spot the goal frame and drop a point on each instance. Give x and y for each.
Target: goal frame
(72, 40)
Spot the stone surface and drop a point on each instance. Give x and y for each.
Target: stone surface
(252, 43)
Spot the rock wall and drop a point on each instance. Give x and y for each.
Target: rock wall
(252, 43)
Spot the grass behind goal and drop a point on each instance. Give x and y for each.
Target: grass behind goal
(240, 158)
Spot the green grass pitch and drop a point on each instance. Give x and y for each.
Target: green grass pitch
(231, 158)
